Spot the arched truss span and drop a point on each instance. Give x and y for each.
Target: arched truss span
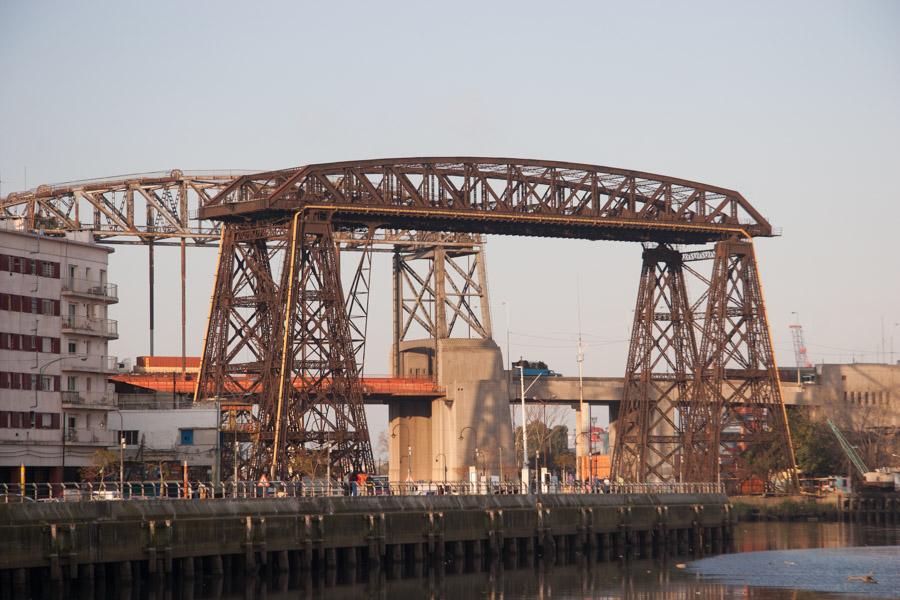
(498, 195)
(126, 209)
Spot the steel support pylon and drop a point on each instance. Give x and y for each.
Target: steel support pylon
(658, 374)
(279, 336)
(736, 420)
(440, 291)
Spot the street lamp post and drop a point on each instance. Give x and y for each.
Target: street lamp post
(40, 384)
(122, 463)
(477, 477)
(461, 431)
(234, 460)
(81, 357)
(408, 451)
(526, 479)
(590, 454)
(121, 452)
(328, 467)
(409, 463)
(444, 456)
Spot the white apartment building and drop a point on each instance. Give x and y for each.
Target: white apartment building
(54, 362)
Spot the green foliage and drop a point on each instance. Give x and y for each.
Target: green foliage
(817, 450)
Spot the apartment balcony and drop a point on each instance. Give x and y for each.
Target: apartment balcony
(90, 364)
(90, 437)
(106, 328)
(104, 292)
(81, 399)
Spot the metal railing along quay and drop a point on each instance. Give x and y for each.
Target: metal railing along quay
(177, 490)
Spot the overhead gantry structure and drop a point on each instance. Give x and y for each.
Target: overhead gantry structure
(276, 303)
(162, 209)
(282, 333)
(503, 196)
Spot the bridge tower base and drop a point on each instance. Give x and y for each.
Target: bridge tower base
(440, 292)
(657, 377)
(737, 415)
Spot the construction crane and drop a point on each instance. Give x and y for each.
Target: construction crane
(848, 450)
(800, 357)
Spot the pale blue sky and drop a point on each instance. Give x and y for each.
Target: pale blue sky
(795, 104)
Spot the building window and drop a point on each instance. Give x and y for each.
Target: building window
(73, 348)
(72, 383)
(46, 346)
(130, 437)
(187, 437)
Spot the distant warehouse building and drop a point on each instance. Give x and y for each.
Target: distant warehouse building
(55, 399)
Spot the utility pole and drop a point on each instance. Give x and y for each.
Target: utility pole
(526, 479)
(234, 460)
(579, 437)
(122, 464)
(328, 469)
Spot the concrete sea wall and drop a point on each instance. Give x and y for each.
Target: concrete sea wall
(59, 541)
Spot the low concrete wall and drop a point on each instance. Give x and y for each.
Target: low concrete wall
(872, 507)
(63, 537)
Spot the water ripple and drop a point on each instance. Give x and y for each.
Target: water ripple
(817, 570)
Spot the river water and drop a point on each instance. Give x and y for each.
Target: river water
(769, 561)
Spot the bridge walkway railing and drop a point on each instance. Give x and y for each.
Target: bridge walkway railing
(174, 490)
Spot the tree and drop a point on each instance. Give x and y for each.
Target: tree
(382, 450)
(548, 438)
(817, 451)
(310, 462)
(103, 464)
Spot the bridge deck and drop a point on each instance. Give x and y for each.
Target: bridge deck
(382, 388)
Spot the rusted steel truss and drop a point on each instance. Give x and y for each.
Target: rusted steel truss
(129, 209)
(439, 292)
(658, 373)
(498, 195)
(281, 333)
(736, 418)
(279, 336)
(703, 411)
(443, 292)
